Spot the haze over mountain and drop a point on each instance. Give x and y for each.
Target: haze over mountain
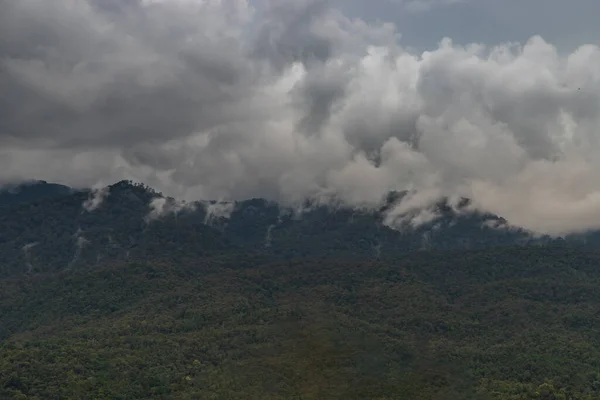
(69, 228)
(131, 221)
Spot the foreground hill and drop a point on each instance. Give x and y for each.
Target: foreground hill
(517, 323)
(129, 222)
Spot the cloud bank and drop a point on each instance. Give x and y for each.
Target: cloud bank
(292, 99)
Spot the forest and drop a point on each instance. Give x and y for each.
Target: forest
(106, 303)
(511, 323)
(44, 230)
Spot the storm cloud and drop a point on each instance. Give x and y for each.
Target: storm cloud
(296, 99)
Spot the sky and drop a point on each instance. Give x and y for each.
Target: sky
(295, 99)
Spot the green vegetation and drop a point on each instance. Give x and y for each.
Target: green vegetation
(267, 305)
(54, 233)
(31, 191)
(513, 324)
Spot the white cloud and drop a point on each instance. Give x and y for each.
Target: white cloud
(212, 100)
(218, 210)
(96, 198)
(163, 206)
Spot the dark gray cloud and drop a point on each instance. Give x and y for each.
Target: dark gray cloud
(292, 99)
(288, 33)
(89, 75)
(319, 93)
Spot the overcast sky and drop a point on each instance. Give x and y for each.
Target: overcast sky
(498, 101)
(566, 24)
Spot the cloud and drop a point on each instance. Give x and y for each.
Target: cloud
(80, 243)
(215, 211)
(413, 210)
(96, 198)
(163, 206)
(27, 254)
(291, 100)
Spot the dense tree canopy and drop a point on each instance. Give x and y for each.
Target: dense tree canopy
(490, 324)
(55, 231)
(105, 302)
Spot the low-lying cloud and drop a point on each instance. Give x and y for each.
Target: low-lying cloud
(292, 99)
(96, 198)
(163, 206)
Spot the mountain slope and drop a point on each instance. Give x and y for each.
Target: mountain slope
(59, 233)
(132, 222)
(489, 324)
(122, 293)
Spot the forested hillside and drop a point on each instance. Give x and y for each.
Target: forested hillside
(31, 191)
(504, 324)
(122, 293)
(128, 222)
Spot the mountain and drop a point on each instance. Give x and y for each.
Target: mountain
(60, 233)
(123, 293)
(126, 221)
(31, 191)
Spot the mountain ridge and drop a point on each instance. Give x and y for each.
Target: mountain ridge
(131, 221)
(32, 190)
